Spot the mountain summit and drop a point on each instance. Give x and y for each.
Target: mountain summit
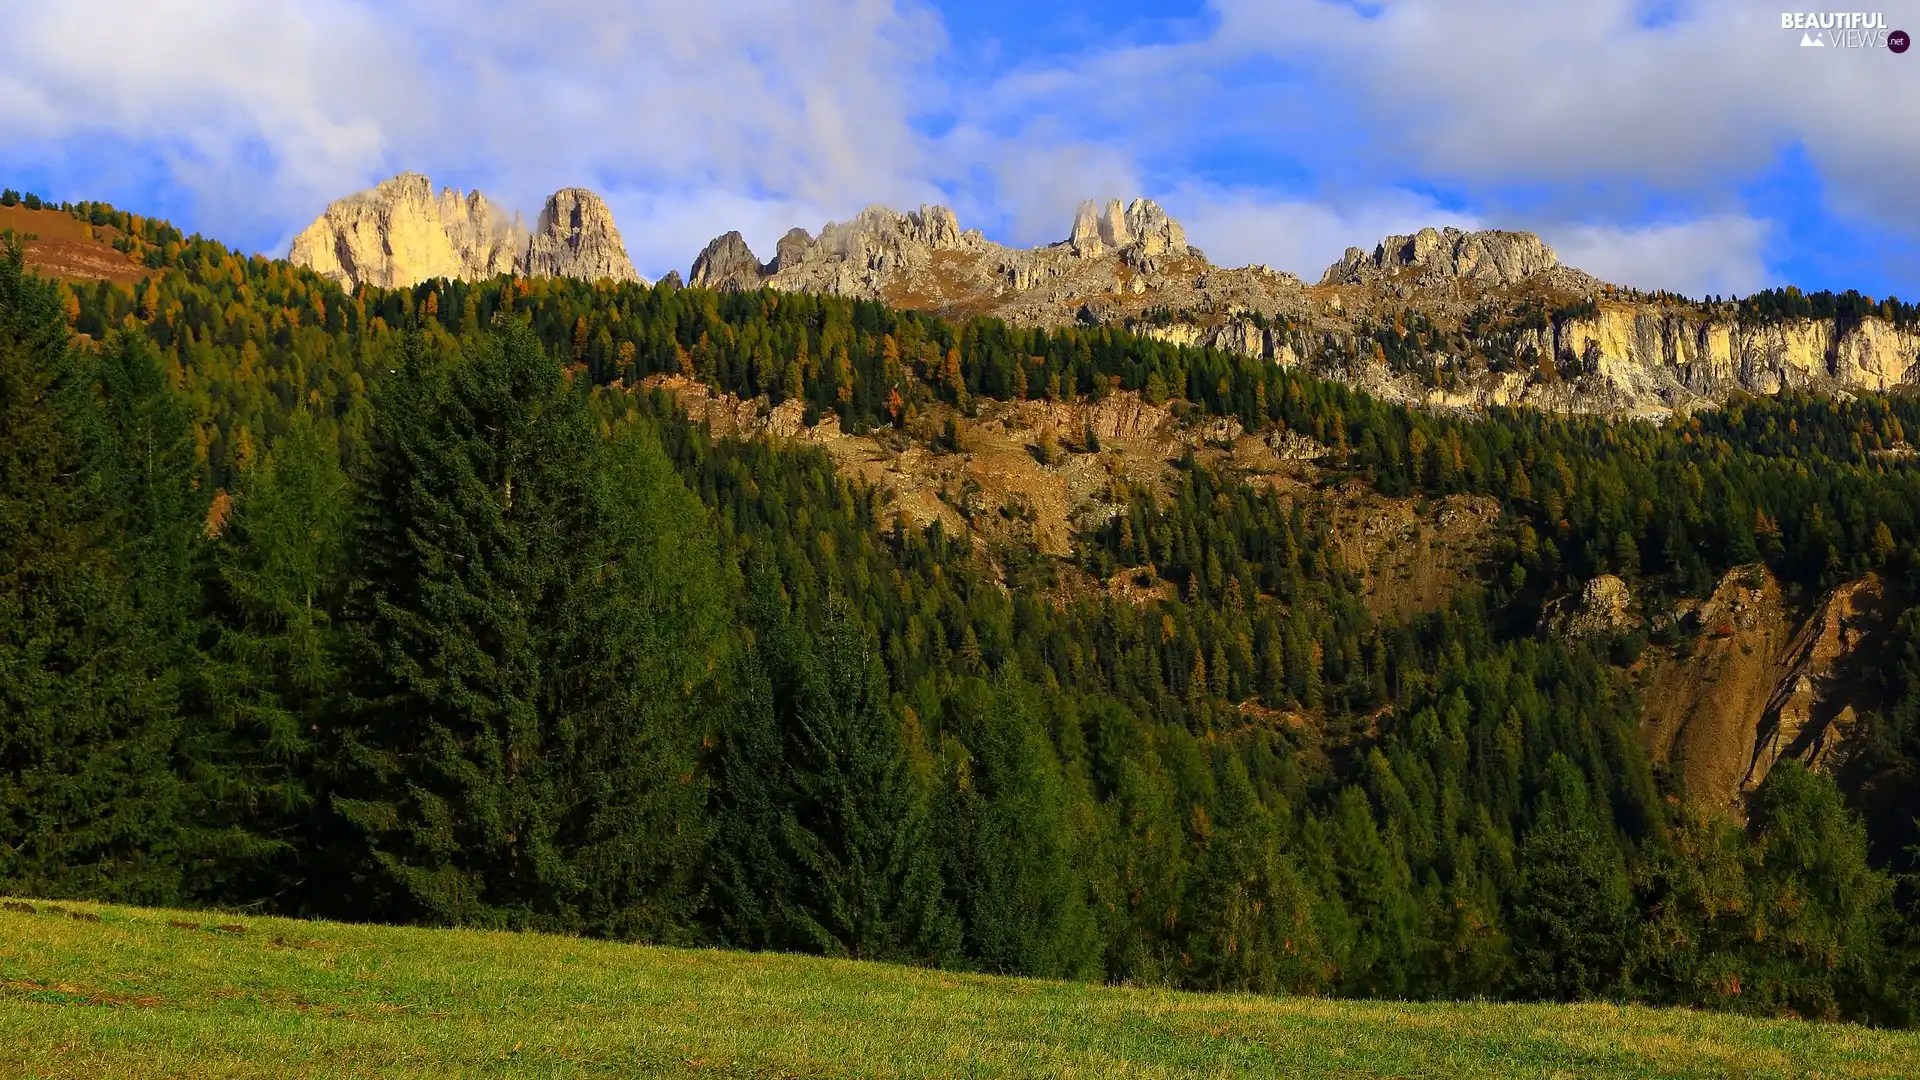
(1494, 257)
(399, 233)
(922, 258)
(1442, 317)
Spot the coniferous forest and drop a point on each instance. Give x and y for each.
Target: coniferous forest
(410, 605)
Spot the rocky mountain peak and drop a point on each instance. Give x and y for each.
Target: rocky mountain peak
(727, 263)
(1487, 258)
(846, 256)
(1140, 226)
(879, 236)
(398, 233)
(576, 238)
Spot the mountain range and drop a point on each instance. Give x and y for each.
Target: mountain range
(1440, 318)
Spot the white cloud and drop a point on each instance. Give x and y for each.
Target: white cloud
(209, 85)
(1038, 184)
(267, 109)
(1506, 91)
(1722, 254)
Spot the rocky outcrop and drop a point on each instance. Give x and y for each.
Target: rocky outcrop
(1138, 234)
(1643, 350)
(1748, 684)
(1432, 256)
(878, 242)
(873, 256)
(1604, 607)
(924, 258)
(1702, 702)
(726, 264)
(576, 238)
(400, 233)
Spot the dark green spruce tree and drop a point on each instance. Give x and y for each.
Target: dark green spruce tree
(1821, 913)
(1252, 914)
(271, 665)
(1572, 916)
(1012, 847)
(754, 879)
(538, 629)
(829, 846)
(91, 554)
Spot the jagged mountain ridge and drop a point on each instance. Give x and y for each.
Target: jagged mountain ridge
(1508, 322)
(399, 233)
(1441, 318)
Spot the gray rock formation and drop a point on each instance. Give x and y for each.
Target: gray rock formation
(1488, 258)
(923, 255)
(1142, 228)
(1605, 606)
(576, 238)
(726, 264)
(878, 239)
(1153, 232)
(399, 233)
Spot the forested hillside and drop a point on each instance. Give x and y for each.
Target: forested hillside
(414, 605)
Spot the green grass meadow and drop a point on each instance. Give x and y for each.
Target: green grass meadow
(90, 990)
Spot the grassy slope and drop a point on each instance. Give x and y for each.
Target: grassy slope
(138, 994)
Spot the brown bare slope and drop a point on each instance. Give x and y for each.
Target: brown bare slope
(1024, 473)
(66, 248)
(1829, 680)
(1763, 684)
(1702, 711)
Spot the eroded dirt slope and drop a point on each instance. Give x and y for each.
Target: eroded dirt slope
(1039, 473)
(1764, 682)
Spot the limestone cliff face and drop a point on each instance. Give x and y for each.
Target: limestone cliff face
(1675, 356)
(399, 233)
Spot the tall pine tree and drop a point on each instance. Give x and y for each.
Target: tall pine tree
(851, 868)
(539, 622)
(1012, 849)
(91, 804)
(270, 668)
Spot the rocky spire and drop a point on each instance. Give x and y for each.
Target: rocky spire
(576, 238)
(726, 263)
(1140, 228)
(1085, 239)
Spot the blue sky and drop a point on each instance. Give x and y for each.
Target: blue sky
(1691, 146)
